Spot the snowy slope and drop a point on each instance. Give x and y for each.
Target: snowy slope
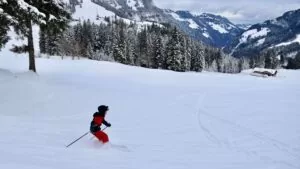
(252, 34)
(89, 10)
(160, 119)
(218, 27)
(192, 23)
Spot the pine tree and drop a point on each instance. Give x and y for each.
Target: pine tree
(188, 53)
(210, 59)
(158, 57)
(197, 59)
(130, 46)
(259, 61)
(219, 60)
(294, 63)
(42, 42)
(3, 28)
(240, 64)
(100, 38)
(66, 44)
(297, 61)
(120, 46)
(143, 48)
(173, 52)
(184, 54)
(252, 62)
(27, 13)
(271, 60)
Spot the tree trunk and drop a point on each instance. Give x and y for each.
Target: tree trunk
(30, 47)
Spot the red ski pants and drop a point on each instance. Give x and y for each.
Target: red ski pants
(101, 136)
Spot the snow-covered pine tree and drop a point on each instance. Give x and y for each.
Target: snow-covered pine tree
(174, 56)
(26, 13)
(252, 62)
(86, 39)
(66, 44)
(297, 61)
(100, 37)
(183, 48)
(259, 61)
(118, 49)
(209, 59)
(219, 60)
(187, 53)
(42, 42)
(122, 43)
(143, 48)
(294, 63)
(131, 45)
(244, 63)
(78, 34)
(52, 43)
(271, 60)
(197, 58)
(150, 39)
(158, 52)
(5, 22)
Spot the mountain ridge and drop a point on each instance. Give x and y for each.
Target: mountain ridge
(278, 34)
(210, 29)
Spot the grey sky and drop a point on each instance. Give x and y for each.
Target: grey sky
(238, 11)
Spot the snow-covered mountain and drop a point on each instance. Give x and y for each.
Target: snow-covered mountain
(282, 34)
(88, 10)
(210, 29)
(244, 26)
(136, 10)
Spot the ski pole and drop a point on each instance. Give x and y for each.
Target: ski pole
(78, 139)
(104, 128)
(81, 138)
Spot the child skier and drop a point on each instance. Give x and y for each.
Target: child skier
(98, 120)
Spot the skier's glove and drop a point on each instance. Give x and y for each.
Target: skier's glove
(108, 125)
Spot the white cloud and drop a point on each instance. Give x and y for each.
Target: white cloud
(231, 14)
(238, 11)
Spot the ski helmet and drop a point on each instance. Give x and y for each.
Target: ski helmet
(102, 108)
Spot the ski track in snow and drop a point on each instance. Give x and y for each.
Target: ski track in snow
(233, 145)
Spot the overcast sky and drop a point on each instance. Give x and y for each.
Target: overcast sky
(238, 11)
